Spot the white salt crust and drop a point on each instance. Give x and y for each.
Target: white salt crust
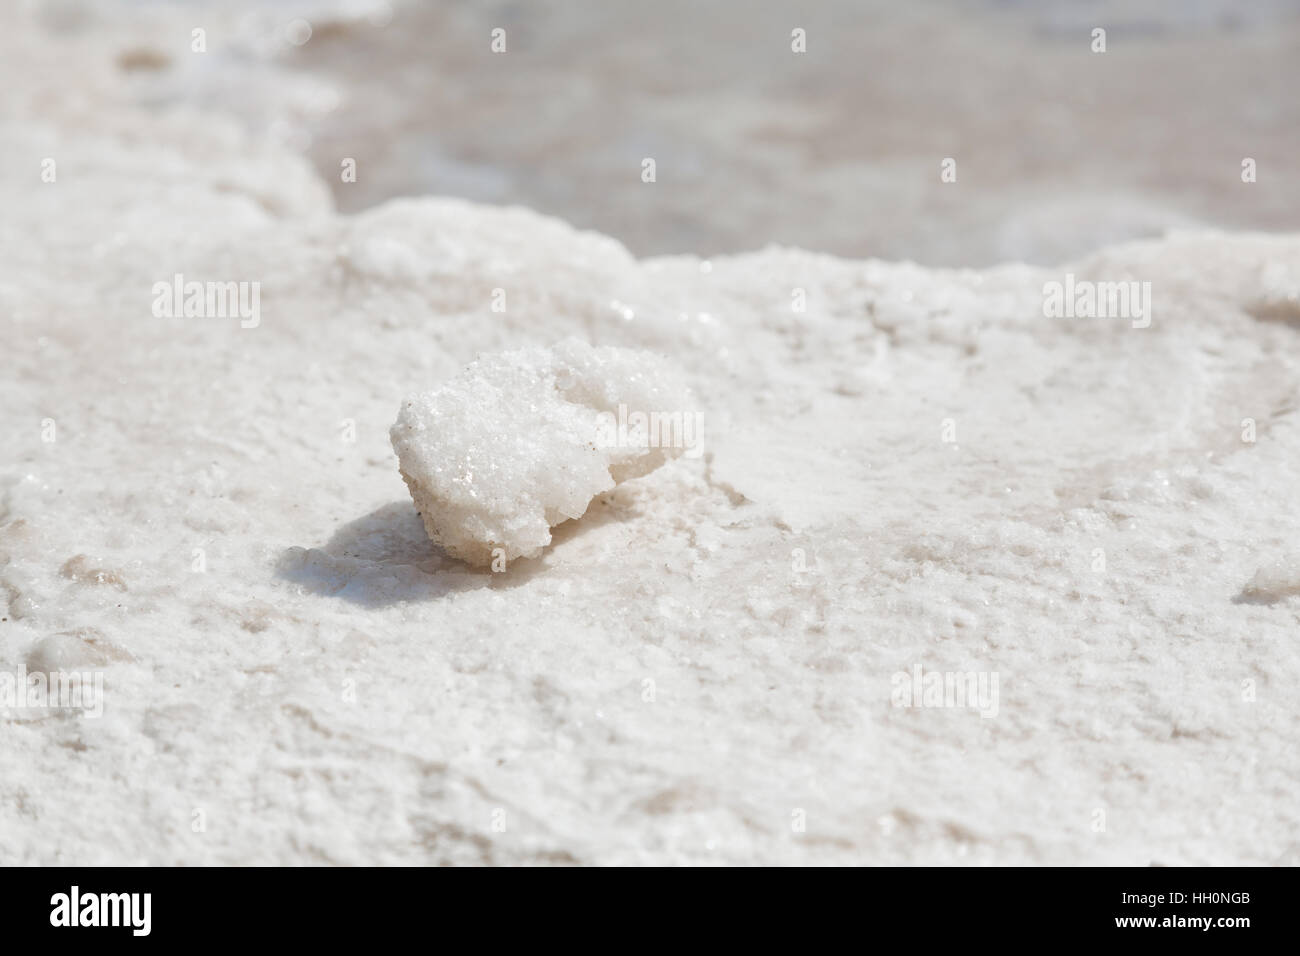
(283, 649)
(521, 441)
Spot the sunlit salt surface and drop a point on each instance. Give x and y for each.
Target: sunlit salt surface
(906, 470)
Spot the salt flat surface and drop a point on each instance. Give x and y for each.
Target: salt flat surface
(1059, 150)
(917, 470)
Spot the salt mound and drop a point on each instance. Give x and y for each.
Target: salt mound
(521, 441)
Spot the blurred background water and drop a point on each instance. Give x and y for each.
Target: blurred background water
(1058, 149)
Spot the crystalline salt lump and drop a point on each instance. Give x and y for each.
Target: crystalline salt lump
(521, 441)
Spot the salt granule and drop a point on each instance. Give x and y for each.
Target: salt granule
(520, 441)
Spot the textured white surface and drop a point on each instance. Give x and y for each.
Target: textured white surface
(521, 441)
(708, 653)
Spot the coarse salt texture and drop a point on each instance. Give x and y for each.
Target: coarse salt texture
(521, 441)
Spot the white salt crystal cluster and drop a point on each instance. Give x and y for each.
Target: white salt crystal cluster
(1277, 580)
(521, 441)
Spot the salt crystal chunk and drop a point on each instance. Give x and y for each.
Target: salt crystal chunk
(520, 441)
(1277, 580)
